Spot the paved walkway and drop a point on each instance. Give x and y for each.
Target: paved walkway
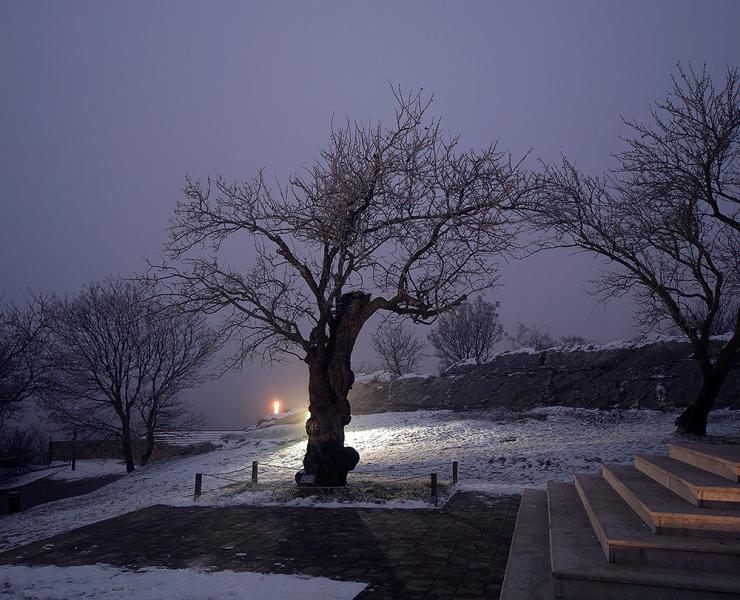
(459, 551)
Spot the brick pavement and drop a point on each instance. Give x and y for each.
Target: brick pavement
(459, 551)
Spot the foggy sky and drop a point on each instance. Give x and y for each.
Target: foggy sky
(105, 107)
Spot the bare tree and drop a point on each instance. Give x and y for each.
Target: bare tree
(534, 335)
(470, 331)
(398, 349)
(668, 222)
(389, 218)
(21, 340)
(117, 361)
(177, 346)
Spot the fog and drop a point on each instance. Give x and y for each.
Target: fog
(105, 108)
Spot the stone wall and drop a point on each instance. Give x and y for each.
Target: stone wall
(660, 375)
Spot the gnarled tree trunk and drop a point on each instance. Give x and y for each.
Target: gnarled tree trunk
(694, 418)
(128, 451)
(149, 449)
(330, 379)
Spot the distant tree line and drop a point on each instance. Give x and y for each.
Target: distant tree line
(469, 333)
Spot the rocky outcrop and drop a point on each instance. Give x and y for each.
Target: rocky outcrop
(659, 375)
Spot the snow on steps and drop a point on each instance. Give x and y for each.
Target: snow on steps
(600, 547)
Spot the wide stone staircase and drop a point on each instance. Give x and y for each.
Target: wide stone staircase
(667, 527)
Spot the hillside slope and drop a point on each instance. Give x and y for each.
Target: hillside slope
(658, 375)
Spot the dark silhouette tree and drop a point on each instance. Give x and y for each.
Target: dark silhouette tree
(470, 331)
(667, 220)
(389, 218)
(397, 347)
(534, 336)
(21, 370)
(117, 359)
(176, 347)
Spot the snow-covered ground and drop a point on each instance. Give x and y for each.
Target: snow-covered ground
(84, 469)
(91, 467)
(496, 453)
(101, 581)
(187, 437)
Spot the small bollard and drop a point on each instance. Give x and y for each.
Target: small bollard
(254, 471)
(434, 488)
(14, 502)
(454, 472)
(198, 485)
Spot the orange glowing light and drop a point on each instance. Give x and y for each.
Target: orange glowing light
(276, 407)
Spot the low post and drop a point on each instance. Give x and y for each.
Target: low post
(50, 447)
(434, 488)
(454, 472)
(14, 502)
(74, 449)
(198, 485)
(254, 471)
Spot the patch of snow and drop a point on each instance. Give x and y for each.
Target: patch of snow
(31, 476)
(102, 581)
(374, 376)
(182, 437)
(416, 376)
(288, 417)
(384, 376)
(89, 468)
(638, 342)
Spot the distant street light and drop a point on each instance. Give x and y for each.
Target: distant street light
(276, 407)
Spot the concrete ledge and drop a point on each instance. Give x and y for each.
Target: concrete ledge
(693, 484)
(528, 574)
(720, 459)
(665, 512)
(625, 539)
(580, 571)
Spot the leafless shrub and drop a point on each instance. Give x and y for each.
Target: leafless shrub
(397, 347)
(534, 335)
(21, 341)
(469, 332)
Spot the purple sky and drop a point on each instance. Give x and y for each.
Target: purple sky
(105, 107)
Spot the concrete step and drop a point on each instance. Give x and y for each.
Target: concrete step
(665, 512)
(696, 485)
(625, 539)
(720, 459)
(528, 574)
(580, 571)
